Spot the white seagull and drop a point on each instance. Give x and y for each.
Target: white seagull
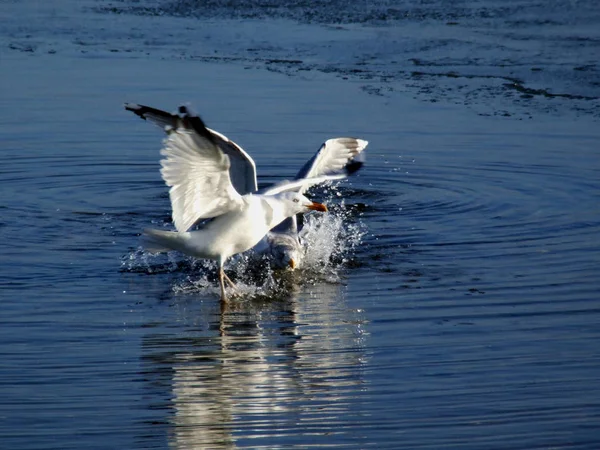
(197, 170)
(282, 243)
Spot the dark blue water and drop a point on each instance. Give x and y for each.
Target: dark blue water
(450, 299)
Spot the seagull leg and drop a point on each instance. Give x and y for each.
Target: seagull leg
(229, 280)
(222, 284)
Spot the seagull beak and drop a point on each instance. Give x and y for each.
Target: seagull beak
(317, 207)
(292, 263)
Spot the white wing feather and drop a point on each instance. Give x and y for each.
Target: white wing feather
(332, 157)
(197, 172)
(243, 170)
(305, 183)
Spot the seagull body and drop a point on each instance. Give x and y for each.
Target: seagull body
(233, 232)
(281, 241)
(229, 233)
(197, 171)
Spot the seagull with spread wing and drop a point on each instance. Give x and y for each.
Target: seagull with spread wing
(282, 243)
(197, 170)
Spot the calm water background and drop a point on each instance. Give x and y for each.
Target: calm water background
(468, 316)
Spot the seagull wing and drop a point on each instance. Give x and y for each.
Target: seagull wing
(242, 171)
(335, 160)
(303, 183)
(197, 171)
(334, 156)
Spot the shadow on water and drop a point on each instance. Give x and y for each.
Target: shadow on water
(261, 371)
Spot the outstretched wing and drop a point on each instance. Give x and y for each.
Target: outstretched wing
(197, 171)
(242, 171)
(334, 156)
(303, 183)
(333, 161)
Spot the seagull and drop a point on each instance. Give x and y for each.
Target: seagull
(282, 243)
(197, 170)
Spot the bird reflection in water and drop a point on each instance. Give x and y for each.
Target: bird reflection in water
(263, 370)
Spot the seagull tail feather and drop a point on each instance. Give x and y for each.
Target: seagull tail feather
(161, 241)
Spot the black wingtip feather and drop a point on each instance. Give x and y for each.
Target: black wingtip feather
(193, 121)
(143, 111)
(185, 118)
(138, 110)
(353, 166)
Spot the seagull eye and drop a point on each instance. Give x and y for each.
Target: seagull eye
(296, 200)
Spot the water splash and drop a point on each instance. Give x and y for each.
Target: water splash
(330, 240)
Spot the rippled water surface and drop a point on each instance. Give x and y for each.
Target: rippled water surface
(449, 300)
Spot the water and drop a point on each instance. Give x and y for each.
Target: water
(466, 316)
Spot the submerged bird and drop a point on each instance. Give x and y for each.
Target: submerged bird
(282, 243)
(197, 170)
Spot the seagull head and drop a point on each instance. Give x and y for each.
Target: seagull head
(285, 255)
(297, 203)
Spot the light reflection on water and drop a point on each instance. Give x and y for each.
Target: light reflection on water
(262, 371)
